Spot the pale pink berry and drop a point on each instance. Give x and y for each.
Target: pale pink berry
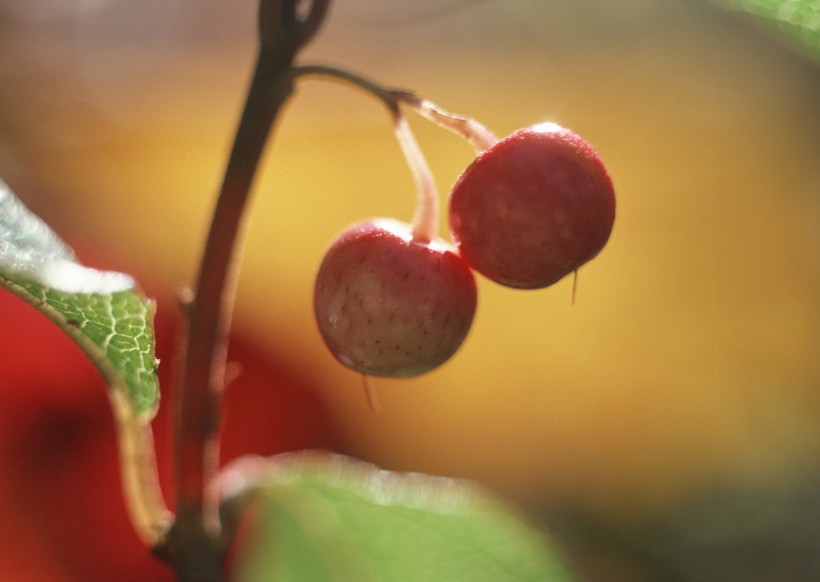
(389, 305)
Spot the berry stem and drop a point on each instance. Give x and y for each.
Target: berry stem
(386, 95)
(425, 219)
(479, 136)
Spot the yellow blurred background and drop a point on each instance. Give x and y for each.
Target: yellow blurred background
(686, 373)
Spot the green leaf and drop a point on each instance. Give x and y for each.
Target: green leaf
(332, 518)
(797, 20)
(102, 311)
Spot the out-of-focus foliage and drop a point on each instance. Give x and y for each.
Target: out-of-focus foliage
(330, 517)
(797, 20)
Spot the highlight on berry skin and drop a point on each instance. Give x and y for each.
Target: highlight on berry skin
(387, 304)
(532, 208)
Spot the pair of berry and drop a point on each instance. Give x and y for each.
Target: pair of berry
(529, 210)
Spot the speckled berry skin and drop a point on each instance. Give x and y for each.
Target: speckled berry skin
(387, 305)
(532, 208)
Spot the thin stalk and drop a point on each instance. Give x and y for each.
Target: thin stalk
(474, 132)
(201, 385)
(196, 550)
(138, 467)
(210, 312)
(386, 95)
(425, 219)
(479, 136)
(196, 544)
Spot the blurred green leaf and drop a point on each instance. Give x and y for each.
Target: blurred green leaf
(333, 518)
(102, 311)
(797, 20)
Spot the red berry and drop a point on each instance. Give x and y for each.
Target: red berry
(389, 305)
(533, 208)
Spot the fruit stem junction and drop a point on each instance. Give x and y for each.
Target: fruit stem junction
(425, 220)
(479, 136)
(474, 132)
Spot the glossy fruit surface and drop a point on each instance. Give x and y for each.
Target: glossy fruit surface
(532, 208)
(388, 305)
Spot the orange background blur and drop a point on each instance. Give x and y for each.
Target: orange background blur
(687, 373)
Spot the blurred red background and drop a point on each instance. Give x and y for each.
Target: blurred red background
(60, 492)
